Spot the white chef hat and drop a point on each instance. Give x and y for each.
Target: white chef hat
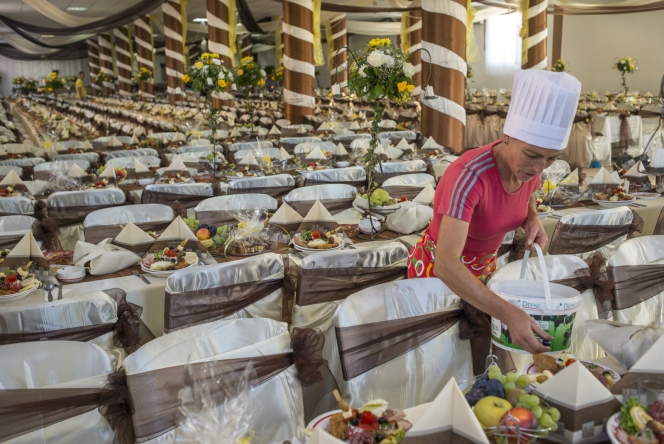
(542, 108)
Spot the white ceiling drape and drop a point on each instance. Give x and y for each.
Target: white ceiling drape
(56, 14)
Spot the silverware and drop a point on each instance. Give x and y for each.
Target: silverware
(59, 291)
(49, 286)
(141, 277)
(638, 205)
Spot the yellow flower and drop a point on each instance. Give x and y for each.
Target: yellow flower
(246, 60)
(631, 66)
(629, 59)
(374, 43)
(214, 55)
(402, 86)
(199, 65)
(185, 78)
(50, 89)
(222, 83)
(410, 88)
(261, 82)
(205, 55)
(239, 72)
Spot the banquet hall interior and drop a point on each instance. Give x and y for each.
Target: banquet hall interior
(219, 221)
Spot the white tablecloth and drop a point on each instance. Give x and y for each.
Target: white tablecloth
(609, 126)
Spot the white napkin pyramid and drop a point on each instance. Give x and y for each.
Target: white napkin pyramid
(426, 195)
(283, 154)
(574, 387)
(164, 140)
(410, 218)
(179, 137)
(380, 150)
(651, 361)
(114, 141)
(235, 132)
(59, 147)
(3, 152)
(176, 165)
(571, 179)
(637, 170)
(301, 129)
(605, 178)
(76, 171)
(316, 154)
(133, 235)
(86, 145)
(26, 247)
(340, 150)
(11, 179)
(449, 411)
(134, 140)
(286, 215)
(319, 436)
(262, 131)
(178, 230)
(248, 159)
(354, 126)
(274, 131)
(366, 124)
(139, 167)
(403, 144)
(109, 171)
(430, 144)
(626, 343)
(319, 215)
(324, 127)
(393, 153)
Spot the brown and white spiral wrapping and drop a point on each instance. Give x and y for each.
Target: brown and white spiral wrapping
(537, 35)
(123, 57)
(340, 57)
(106, 61)
(298, 58)
(174, 51)
(143, 32)
(93, 62)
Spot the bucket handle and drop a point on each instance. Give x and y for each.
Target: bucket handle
(545, 275)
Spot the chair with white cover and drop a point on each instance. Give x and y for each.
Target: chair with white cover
(577, 150)
(276, 402)
(301, 150)
(334, 197)
(249, 288)
(282, 122)
(220, 209)
(409, 376)
(204, 148)
(599, 149)
(355, 176)
(289, 143)
(408, 185)
(395, 136)
(187, 194)
(276, 186)
(90, 157)
(259, 153)
(347, 140)
(128, 162)
(578, 233)
(139, 152)
(108, 222)
(199, 142)
(5, 169)
(392, 169)
(13, 228)
(636, 268)
(248, 146)
(42, 366)
(441, 165)
(25, 162)
(44, 170)
(560, 269)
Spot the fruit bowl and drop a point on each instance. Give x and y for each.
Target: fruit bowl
(506, 407)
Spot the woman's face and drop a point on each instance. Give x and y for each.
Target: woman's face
(527, 161)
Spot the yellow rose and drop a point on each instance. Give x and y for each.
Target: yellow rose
(205, 55)
(222, 83)
(410, 88)
(261, 82)
(631, 66)
(402, 86)
(199, 65)
(50, 89)
(239, 72)
(185, 78)
(214, 55)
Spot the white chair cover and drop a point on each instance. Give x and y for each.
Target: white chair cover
(239, 202)
(16, 224)
(192, 171)
(282, 123)
(128, 162)
(60, 364)
(199, 142)
(16, 205)
(203, 148)
(307, 147)
(646, 250)
(417, 182)
(104, 196)
(558, 267)
(277, 403)
(6, 169)
(249, 145)
(168, 135)
(599, 149)
(36, 187)
(331, 196)
(129, 213)
(139, 152)
(355, 176)
(28, 161)
(16, 148)
(440, 167)
(259, 153)
(276, 186)
(65, 164)
(418, 376)
(578, 146)
(191, 189)
(90, 157)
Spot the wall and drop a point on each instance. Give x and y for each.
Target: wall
(10, 68)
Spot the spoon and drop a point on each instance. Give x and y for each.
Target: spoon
(49, 286)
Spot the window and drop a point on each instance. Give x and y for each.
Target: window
(503, 44)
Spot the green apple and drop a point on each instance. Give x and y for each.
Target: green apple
(490, 410)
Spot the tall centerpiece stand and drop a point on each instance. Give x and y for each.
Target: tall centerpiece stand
(378, 72)
(249, 76)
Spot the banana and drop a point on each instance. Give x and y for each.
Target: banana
(640, 417)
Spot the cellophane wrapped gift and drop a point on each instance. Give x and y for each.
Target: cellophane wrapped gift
(204, 421)
(252, 235)
(60, 180)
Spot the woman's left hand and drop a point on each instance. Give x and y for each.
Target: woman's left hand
(534, 231)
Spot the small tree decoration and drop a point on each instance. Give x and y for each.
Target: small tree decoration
(249, 76)
(559, 66)
(380, 71)
(625, 66)
(208, 75)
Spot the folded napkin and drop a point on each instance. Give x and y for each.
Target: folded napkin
(274, 131)
(114, 142)
(318, 216)
(603, 177)
(324, 127)
(86, 145)
(109, 171)
(340, 152)
(103, 258)
(626, 343)
(58, 147)
(179, 137)
(283, 154)
(235, 132)
(426, 196)
(250, 161)
(637, 171)
(134, 140)
(301, 129)
(393, 153)
(139, 167)
(430, 144)
(286, 217)
(176, 165)
(26, 250)
(76, 171)
(316, 154)
(354, 126)
(11, 179)
(134, 239)
(410, 218)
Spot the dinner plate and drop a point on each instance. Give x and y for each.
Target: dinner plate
(544, 214)
(297, 247)
(645, 196)
(613, 204)
(164, 273)
(531, 370)
(612, 429)
(17, 296)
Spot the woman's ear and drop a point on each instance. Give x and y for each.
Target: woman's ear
(506, 139)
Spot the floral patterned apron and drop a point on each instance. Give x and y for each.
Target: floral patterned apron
(421, 260)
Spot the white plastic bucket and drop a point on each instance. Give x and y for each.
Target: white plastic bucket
(552, 306)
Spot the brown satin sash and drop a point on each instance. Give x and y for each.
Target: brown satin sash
(186, 200)
(9, 242)
(334, 206)
(574, 420)
(96, 234)
(572, 239)
(200, 306)
(356, 183)
(634, 284)
(318, 285)
(75, 214)
(364, 347)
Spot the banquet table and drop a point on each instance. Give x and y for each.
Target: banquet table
(609, 126)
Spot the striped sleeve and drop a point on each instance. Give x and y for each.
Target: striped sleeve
(463, 189)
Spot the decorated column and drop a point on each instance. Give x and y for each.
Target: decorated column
(123, 55)
(106, 61)
(336, 40)
(219, 39)
(534, 33)
(298, 59)
(93, 62)
(444, 36)
(415, 31)
(144, 51)
(246, 47)
(175, 66)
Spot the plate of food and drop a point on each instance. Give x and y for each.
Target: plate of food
(372, 423)
(381, 202)
(174, 178)
(613, 198)
(637, 423)
(646, 196)
(98, 184)
(543, 210)
(9, 192)
(545, 366)
(18, 283)
(317, 239)
(59, 257)
(169, 260)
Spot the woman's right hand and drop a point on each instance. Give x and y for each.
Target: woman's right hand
(523, 330)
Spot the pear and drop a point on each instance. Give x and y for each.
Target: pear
(513, 395)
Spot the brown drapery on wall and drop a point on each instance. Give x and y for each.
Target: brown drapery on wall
(443, 118)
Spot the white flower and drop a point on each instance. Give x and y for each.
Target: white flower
(361, 72)
(376, 58)
(408, 69)
(216, 61)
(263, 73)
(209, 81)
(388, 60)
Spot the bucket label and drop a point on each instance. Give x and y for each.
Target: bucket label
(557, 326)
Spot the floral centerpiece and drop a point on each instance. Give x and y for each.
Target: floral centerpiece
(144, 74)
(626, 66)
(69, 82)
(209, 75)
(18, 80)
(103, 77)
(278, 75)
(380, 71)
(247, 77)
(30, 84)
(559, 66)
(53, 82)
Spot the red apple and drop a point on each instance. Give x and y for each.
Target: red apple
(521, 420)
(203, 233)
(120, 172)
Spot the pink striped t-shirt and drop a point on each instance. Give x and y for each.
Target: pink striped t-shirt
(471, 190)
